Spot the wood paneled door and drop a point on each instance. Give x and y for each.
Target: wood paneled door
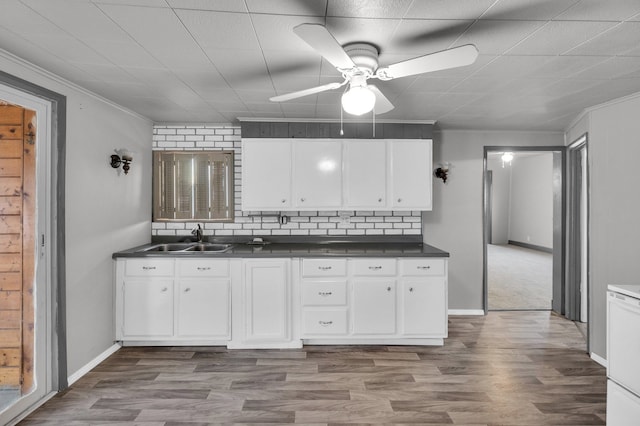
(17, 246)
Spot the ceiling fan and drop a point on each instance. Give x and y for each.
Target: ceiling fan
(358, 62)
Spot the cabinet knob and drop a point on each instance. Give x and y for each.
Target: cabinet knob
(399, 200)
(411, 289)
(187, 290)
(379, 200)
(283, 200)
(164, 289)
(388, 288)
(302, 200)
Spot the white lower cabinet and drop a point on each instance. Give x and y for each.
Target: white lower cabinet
(172, 301)
(281, 303)
(262, 305)
(203, 308)
(147, 308)
(374, 300)
(422, 307)
(374, 306)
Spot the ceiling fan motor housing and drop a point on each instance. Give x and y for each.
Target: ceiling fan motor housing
(364, 55)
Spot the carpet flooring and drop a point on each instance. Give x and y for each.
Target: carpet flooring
(518, 278)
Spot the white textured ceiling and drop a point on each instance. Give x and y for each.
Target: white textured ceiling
(541, 61)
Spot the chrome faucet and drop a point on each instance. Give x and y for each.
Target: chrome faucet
(197, 232)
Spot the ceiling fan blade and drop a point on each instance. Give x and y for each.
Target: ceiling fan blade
(306, 92)
(318, 37)
(450, 58)
(382, 103)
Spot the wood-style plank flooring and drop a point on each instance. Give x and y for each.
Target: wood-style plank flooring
(508, 368)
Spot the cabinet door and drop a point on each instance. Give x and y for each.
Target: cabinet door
(148, 308)
(365, 168)
(411, 173)
(317, 174)
(266, 174)
(203, 308)
(424, 306)
(374, 306)
(267, 300)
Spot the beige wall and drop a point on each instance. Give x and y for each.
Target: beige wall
(455, 224)
(614, 232)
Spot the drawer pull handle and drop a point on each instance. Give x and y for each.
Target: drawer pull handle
(324, 268)
(325, 293)
(325, 323)
(202, 268)
(148, 268)
(164, 289)
(375, 268)
(424, 267)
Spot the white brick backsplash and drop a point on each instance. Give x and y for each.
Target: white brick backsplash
(317, 223)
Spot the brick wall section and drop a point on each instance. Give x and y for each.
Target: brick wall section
(321, 223)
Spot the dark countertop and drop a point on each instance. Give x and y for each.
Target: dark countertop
(303, 247)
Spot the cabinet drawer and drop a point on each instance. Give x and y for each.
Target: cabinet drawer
(422, 266)
(324, 267)
(203, 267)
(148, 267)
(374, 267)
(327, 322)
(323, 293)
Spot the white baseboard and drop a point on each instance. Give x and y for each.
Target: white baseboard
(466, 312)
(93, 363)
(597, 358)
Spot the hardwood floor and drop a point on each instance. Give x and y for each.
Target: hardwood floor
(508, 368)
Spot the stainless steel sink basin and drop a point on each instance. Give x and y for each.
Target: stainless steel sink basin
(212, 247)
(169, 247)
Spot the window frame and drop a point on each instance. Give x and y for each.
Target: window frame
(218, 155)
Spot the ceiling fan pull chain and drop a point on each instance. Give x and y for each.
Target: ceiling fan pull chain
(374, 120)
(341, 131)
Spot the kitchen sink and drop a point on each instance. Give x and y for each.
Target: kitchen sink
(169, 247)
(212, 247)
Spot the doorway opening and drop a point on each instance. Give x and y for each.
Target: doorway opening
(523, 229)
(18, 226)
(32, 338)
(520, 238)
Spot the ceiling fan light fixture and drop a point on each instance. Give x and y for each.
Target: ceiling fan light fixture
(358, 100)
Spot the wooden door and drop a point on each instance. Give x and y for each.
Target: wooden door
(17, 245)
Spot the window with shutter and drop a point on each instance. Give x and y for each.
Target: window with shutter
(190, 185)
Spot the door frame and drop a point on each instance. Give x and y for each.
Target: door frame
(51, 176)
(575, 184)
(559, 213)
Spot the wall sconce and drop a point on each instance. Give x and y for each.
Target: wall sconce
(122, 157)
(441, 172)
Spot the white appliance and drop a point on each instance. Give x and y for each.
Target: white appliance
(623, 355)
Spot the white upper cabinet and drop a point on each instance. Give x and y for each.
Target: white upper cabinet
(317, 174)
(266, 174)
(411, 171)
(336, 174)
(365, 174)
